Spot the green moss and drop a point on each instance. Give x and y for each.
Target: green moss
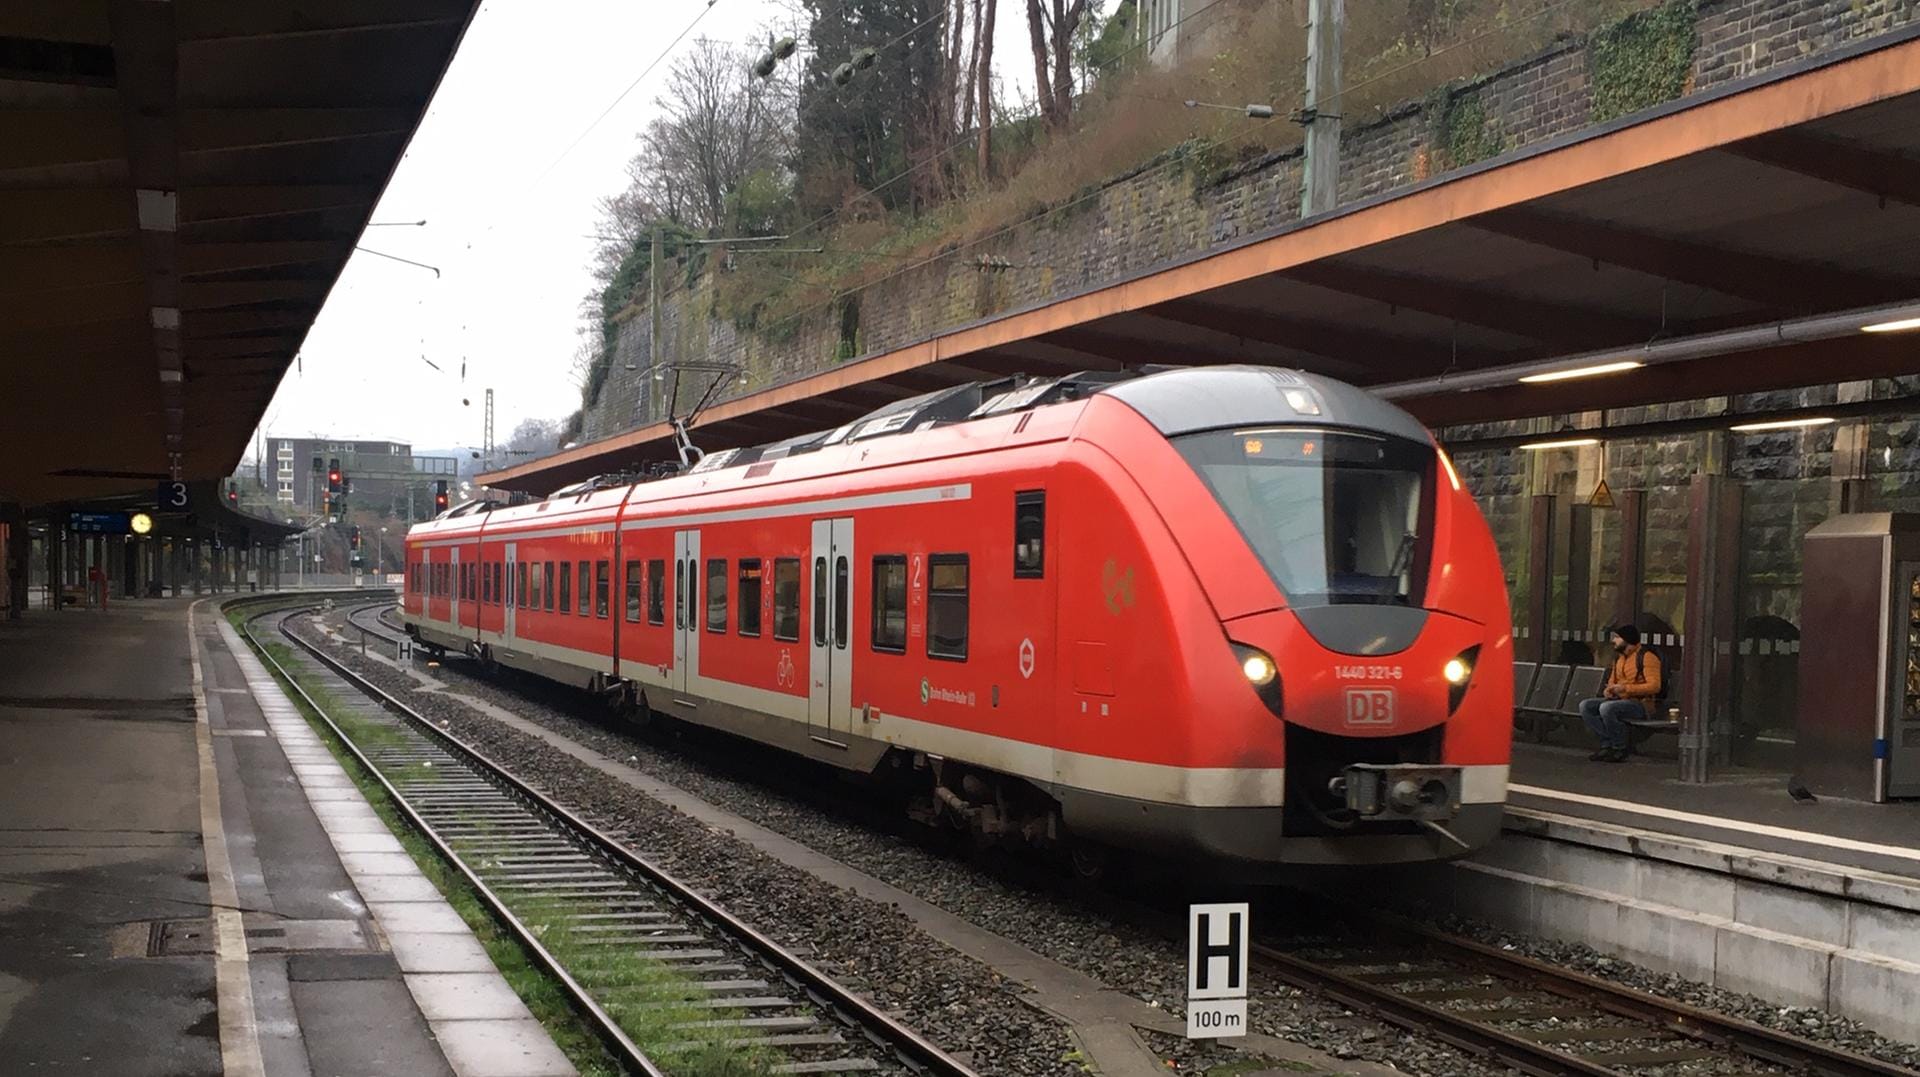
(1642, 60)
(1458, 127)
(1204, 161)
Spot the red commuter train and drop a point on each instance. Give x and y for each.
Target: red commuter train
(1244, 614)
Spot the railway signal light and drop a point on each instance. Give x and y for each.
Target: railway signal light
(440, 494)
(333, 475)
(353, 537)
(233, 494)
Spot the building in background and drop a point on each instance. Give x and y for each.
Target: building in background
(387, 478)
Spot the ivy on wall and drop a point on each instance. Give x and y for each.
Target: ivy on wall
(1642, 60)
(1458, 127)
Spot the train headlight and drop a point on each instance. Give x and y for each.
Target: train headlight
(1458, 672)
(1261, 672)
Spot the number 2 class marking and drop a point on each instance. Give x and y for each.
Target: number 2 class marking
(916, 572)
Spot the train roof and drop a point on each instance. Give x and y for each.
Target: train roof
(1183, 401)
(1176, 400)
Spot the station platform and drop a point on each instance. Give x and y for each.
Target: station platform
(1740, 806)
(189, 884)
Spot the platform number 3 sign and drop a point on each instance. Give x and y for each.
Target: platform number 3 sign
(171, 497)
(1216, 970)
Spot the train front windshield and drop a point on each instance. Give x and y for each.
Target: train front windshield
(1335, 516)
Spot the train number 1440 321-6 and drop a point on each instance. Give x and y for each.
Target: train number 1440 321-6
(1367, 672)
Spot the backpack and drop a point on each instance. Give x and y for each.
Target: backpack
(1667, 670)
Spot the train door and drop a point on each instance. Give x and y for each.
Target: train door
(686, 611)
(506, 593)
(459, 595)
(830, 673)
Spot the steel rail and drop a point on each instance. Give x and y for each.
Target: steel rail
(604, 1026)
(907, 1046)
(1542, 1059)
(1474, 1037)
(1809, 1057)
(1745, 1037)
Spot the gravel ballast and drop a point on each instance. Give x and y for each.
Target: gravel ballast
(1083, 934)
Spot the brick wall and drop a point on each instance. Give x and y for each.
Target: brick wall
(1177, 206)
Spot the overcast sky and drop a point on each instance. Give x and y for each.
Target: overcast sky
(509, 221)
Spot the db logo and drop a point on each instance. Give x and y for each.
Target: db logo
(1369, 706)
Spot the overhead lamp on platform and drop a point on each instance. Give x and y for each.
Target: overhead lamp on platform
(1783, 424)
(1899, 326)
(1565, 443)
(1592, 371)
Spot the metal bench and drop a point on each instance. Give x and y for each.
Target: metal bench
(1523, 677)
(1555, 696)
(1541, 705)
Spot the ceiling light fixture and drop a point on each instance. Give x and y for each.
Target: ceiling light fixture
(1899, 326)
(1784, 424)
(1583, 371)
(1569, 443)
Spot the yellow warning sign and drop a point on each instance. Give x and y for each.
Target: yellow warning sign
(1602, 496)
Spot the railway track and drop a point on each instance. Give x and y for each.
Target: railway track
(629, 945)
(1540, 1019)
(1524, 1014)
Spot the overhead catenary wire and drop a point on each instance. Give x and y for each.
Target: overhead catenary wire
(631, 86)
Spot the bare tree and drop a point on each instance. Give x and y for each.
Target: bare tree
(983, 18)
(535, 437)
(1050, 30)
(719, 126)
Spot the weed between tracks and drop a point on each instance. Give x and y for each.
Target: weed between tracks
(658, 1009)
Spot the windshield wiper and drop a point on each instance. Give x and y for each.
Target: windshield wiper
(1404, 555)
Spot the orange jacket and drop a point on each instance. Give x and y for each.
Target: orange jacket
(1639, 681)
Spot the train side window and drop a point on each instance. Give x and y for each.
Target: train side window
(486, 583)
(749, 596)
(533, 586)
(633, 590)
(679, 594)
(520, 575)
(601, 582)
(546, 586)
(890, 603)
(947, 606)
(1030, 534)
(656, 592)
(580, 589)
(716, 594)
(842, 599)
(566, 588)
(819, 602)
(499, 595)
(786, 598)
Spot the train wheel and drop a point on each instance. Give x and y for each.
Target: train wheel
(487, 663)
(1092, 862)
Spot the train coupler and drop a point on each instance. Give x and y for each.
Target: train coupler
(1410, 791)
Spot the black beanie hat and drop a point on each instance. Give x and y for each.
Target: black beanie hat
(1628, 633)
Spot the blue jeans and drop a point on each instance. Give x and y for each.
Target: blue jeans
(1607, 718)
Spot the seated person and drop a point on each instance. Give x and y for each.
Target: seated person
(1632, 686)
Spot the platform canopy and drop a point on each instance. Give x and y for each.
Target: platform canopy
(1650, 239)
(180, 185)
